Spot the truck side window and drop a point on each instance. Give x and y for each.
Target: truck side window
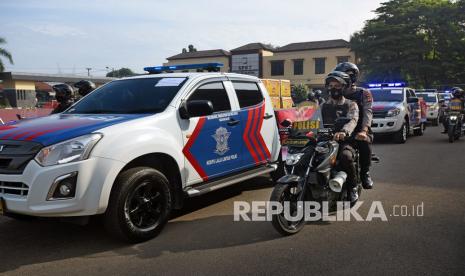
(247, 93)
(214, 92)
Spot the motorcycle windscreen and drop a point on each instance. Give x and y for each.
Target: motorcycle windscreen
(304, 117)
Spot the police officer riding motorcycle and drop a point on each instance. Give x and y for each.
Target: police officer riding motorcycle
(322, 167)
(63, 95)
(453, 124)
(363, 134)
(84, 87)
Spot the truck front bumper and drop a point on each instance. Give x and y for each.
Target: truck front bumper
(432, 114)
(386, 125)
(95, 177)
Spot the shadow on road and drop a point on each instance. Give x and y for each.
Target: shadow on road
(44, 240)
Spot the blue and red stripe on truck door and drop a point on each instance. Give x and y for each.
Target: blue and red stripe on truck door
(246, 144)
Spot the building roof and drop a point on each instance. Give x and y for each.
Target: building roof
(254, 46)
(314, 45)
(201, 54)
(51, 77)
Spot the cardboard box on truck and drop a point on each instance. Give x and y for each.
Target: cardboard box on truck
(285, 86)
(273, 87)
(286, 102)
(276, 101)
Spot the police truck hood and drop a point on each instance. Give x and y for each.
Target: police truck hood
(53, 129)
(384, 106)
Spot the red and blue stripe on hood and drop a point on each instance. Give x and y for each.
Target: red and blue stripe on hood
(60, 127)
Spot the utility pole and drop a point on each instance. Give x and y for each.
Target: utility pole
(88, 71)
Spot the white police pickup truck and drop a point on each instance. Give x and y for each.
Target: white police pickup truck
(134, 148)
(396, 111)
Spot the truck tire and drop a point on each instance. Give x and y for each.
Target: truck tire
(400, 137)
(140, 205)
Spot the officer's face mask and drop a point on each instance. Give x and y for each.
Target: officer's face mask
(335, 93)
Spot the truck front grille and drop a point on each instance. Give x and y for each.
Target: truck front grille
(13, 188)
(15, 155)
(379, 114)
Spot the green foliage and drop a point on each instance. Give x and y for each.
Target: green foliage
(299, 93)
(121, 73)
(4, 53)
(420, 41)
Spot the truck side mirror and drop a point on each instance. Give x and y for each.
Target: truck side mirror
(195, 108)
(412, 100)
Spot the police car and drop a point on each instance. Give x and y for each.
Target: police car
(430, 96)
(134, 148)
(396, 111)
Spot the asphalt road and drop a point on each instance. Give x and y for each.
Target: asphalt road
(204, 239)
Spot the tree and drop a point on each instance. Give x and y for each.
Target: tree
(120, 73)
(192, 48)
(299, 93)
(4, 53)
(418, 41)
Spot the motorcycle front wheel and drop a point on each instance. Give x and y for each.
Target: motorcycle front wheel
(285, 193)
(451, 132)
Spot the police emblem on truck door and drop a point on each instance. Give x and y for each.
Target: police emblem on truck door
(221, 137)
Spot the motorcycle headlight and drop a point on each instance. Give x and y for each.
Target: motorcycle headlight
(293, 159)
(73, 150)
(453, 118)
(393, 112)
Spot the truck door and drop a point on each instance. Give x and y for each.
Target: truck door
(259, 123)
(212, 144)
(414, 110)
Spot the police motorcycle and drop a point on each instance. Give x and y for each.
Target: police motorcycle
(311, 173)
(455, 117)
(455, 122)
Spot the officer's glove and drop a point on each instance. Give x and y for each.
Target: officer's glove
(339, 136)
(361, 136)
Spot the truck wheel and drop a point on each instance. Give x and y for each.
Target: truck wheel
(140, 205)
(401, 136)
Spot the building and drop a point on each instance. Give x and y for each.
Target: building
(302, 62)
(207, 56)
(248, 59)
(307, 62)
(19, 89)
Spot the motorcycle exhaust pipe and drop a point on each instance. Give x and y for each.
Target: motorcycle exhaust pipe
(338, 180)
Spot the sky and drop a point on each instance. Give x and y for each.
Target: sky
(66, 37)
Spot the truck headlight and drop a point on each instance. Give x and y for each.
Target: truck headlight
(393, 112)
(73, 150)
(293, 159)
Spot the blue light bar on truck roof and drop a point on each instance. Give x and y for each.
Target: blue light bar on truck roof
(211, 67)
(390, 84)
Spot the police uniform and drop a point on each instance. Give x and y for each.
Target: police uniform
(333, 109)
(364, 101)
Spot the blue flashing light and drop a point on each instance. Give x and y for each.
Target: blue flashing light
(390, 84)
(213, 66)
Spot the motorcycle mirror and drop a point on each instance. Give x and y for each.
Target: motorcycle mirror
(286, 123)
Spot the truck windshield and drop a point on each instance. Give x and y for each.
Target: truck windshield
(428, 97)
(387, 95)
(131, 96)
